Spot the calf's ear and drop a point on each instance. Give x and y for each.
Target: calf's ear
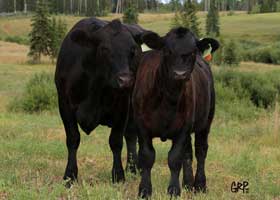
(205, 43)
(152, 40)
(83, 39)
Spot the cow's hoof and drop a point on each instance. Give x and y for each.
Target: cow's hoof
(118, 176)
(131, 169)
(145, 192)
(200, 187)
(188, 187)
(174, 191)
(69, 181)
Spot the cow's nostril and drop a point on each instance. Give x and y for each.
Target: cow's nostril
(124, 81)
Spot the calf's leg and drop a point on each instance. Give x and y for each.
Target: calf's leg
(131, 140)
(72, 140)
(116, 144)
(201, 147)
(146, 160)
(188, 179)
(175, 161)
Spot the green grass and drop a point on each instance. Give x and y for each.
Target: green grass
(33, 153)
(257, 27)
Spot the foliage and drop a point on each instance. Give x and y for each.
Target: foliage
(256, 9)
(187, 17)
(231, 53)
(267, 54)
(261, 89)
(58, 32)
(277, 9)
(17, 39)
(39, 95)
(130, 16)
(212, 21)
(40, 36)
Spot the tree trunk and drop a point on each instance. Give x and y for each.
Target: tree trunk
(15, 6)
(25, 7)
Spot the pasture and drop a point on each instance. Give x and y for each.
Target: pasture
(33, 151)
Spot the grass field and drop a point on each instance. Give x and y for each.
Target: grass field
(257, 27)
(33, 151)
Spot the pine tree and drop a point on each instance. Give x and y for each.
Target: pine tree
(212, 21)
(187, 18)
(58, 32)
(40, 36)
(130, 15)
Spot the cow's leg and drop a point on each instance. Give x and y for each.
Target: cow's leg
(188, 179)
(175, 161)
(116, 144)
(201, 147)
(146, 159)
(72, 140)
(131, 140)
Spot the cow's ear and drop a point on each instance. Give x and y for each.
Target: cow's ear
(152, 40)
(116, 25)
(136, 31)
(83, 39)
(205, 43)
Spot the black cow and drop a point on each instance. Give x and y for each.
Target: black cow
(94, 76)
(173, 97)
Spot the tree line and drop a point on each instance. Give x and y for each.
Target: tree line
(79, 7)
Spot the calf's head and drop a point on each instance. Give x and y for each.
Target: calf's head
(115, 50)
(179, 49)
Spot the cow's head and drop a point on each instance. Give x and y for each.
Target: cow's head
(116, 52)
(179, 48)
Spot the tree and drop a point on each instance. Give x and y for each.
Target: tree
(40, 36)
(187, 18)
(58, 32)
(212, 21)
(130, 16)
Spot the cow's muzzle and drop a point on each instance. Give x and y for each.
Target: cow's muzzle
(125, 80)
(180, 75)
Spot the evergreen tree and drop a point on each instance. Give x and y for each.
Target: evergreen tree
(40, 36)
(130, 15)
(187, 18)
(58, 32)
(212, 21)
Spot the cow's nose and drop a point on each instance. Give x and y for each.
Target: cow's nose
(179, 75)
(125, 81)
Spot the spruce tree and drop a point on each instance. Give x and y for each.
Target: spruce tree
(130, 15)
(187, 18)
(40, 36)
(212, 21)
(58, 32)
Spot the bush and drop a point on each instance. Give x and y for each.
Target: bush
(266, 54)
(39, 95)
(231, 55)
(261, 89)
(17, 39)
(130, 16)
